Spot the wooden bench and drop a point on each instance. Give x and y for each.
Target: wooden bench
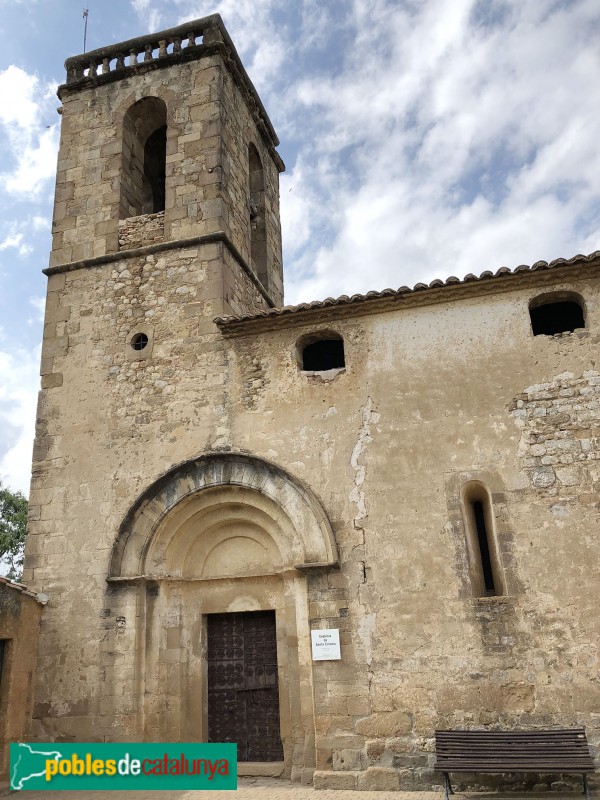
(513, 751)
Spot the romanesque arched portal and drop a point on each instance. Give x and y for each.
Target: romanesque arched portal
(225, 534)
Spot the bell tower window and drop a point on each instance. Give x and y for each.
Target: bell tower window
(258, 228)
(144, 158)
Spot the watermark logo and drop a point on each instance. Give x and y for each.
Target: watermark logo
(81, 767)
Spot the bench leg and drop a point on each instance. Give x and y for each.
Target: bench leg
(586, 790)
(448, 786)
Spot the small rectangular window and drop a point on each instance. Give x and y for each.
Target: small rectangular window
(556, 312)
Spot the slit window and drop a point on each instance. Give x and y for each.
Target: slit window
(484, 548)
(484, 560)
(556, 313)
(324, 354)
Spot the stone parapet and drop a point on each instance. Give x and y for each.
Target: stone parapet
(188, 42)
(167, 44)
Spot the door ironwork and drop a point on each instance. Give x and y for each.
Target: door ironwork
(243, 691)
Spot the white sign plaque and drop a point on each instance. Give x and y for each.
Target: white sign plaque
(326, 645)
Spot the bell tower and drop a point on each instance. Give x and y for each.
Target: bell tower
(166, 145)
(166, 216)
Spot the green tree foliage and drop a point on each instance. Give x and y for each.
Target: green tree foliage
(13, 527)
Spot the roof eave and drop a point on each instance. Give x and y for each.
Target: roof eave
(438, 291)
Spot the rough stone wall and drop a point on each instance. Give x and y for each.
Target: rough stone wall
(235, 166)
(141, 231)
(109, 417)
(19, 627)
(386, 445)
(560, 439)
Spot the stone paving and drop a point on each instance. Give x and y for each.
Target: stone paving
(275, 789)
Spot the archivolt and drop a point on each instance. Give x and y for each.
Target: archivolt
(179, 525)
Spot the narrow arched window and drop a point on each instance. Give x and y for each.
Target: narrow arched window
(556, 312)
(258, 227)
(144, 158)
(322, 352)
(484, 561)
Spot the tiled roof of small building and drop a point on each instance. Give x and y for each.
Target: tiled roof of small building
(20, 587)
(335, 302)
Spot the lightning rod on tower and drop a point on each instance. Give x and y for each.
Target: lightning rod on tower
(86, 12)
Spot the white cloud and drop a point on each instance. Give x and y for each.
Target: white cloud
(40, 223)
(447, 142)
(32, 144)
(149, 14)
(18, 90)
(39, 303)
(19, 383)
(11, 241)
(36, 163)
(260, 41)
(16, 241)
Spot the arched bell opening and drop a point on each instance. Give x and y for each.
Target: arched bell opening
(143, 162)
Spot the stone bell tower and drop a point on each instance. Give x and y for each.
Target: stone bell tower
(166, 216)
(165, 144)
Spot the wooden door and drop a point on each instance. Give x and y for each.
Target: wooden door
(243, 692)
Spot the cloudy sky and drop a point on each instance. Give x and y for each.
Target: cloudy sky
(422, 138)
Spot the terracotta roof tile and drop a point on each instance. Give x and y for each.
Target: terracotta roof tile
(20, 587)
(578, 260)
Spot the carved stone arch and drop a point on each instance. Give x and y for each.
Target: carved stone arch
(164, 93)
(177, 525)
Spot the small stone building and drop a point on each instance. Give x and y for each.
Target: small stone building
(20, 612)
(217, 477)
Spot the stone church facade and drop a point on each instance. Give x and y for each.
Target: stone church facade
(215, 476)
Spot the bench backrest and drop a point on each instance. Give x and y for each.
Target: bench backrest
(513, 751)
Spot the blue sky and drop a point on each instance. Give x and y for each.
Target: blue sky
(422, 139)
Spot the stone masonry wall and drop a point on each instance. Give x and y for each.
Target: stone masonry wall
(141, 231)
(378, 445)
(236, 137)
(208, 129)
(108, 417)
(560, 438)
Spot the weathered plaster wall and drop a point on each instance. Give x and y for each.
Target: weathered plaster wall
(19, 628)
(432, 398)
